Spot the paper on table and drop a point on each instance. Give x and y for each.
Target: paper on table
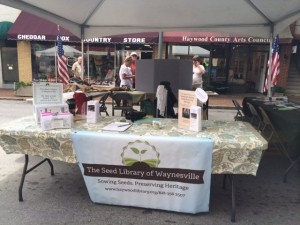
(117, 126)
(287, 108)
(269, 103)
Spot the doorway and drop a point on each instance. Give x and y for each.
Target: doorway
(9, 60)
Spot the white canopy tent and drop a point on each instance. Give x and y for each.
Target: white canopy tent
(97, 18)
(68, 50)
(100, 18)
(190, 50)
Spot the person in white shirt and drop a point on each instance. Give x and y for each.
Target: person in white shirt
(77, 68)
(198, 71)
(125, 73)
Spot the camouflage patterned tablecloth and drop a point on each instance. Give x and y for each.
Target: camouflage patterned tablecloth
(237, 146)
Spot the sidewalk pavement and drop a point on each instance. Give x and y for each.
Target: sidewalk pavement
(215, 101)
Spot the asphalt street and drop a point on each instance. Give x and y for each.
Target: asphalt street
(63, 198)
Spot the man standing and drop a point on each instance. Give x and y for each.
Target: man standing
(134, 57)
(125, 73)
(77, 68)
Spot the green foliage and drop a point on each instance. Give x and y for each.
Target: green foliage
(209, 88)
(21, 84)
(151, 162)
(135, 150)
(129, 161)
(278, 89)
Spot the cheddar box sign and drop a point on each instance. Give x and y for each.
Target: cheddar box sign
(35, 37)
(169, 173)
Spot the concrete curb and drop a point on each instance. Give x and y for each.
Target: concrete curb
(220, 107)
(13, 98)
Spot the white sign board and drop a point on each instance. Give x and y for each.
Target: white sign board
(47, 93)
(201, 95)
(169, 173)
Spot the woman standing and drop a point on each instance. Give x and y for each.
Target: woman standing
(125, 73)
(198, 71)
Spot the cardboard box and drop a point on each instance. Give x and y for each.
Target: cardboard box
(92, 114)
(50, 121)
(46, 108)
(195, 118)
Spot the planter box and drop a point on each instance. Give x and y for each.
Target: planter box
(278, 94)
(24, 91)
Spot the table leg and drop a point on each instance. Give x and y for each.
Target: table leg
(232, 198)
(233, 203)
(224, 181)
(25, 171)
(293, 164)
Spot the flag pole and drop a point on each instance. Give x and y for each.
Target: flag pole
(82, 64)
(88, 62)
(269, 75)
(55, 62)
(56, 55)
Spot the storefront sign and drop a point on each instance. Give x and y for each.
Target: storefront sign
(203, 37)
(34, 37)
(169, 173)
(214, 39)
(130, 40)
(136, 38)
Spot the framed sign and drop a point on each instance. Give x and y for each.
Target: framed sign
(186, 99)
(46, 93)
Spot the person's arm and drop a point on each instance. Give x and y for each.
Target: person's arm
(202, 69)
(76, 73)
(126, 74)
(74, 69)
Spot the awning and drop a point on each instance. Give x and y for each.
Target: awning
(33, 28)
(4, 28)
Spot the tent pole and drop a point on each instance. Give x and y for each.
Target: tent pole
(55, 62)
(269, 75)
(88, 62)
(160, 43)
(82, 40)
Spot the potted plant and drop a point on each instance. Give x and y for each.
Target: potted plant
(278, 91)
(23, 88)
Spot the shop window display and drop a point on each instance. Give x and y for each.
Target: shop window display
(43, 61)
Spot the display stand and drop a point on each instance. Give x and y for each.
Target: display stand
(43, 93)
(25, 171)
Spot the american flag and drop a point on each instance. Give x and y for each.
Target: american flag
(63, 73)
(275, 64)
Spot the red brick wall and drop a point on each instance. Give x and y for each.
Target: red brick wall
(285, 57)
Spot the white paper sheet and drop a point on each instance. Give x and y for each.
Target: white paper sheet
(117, 126)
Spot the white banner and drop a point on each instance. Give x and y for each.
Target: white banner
(169, 173)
